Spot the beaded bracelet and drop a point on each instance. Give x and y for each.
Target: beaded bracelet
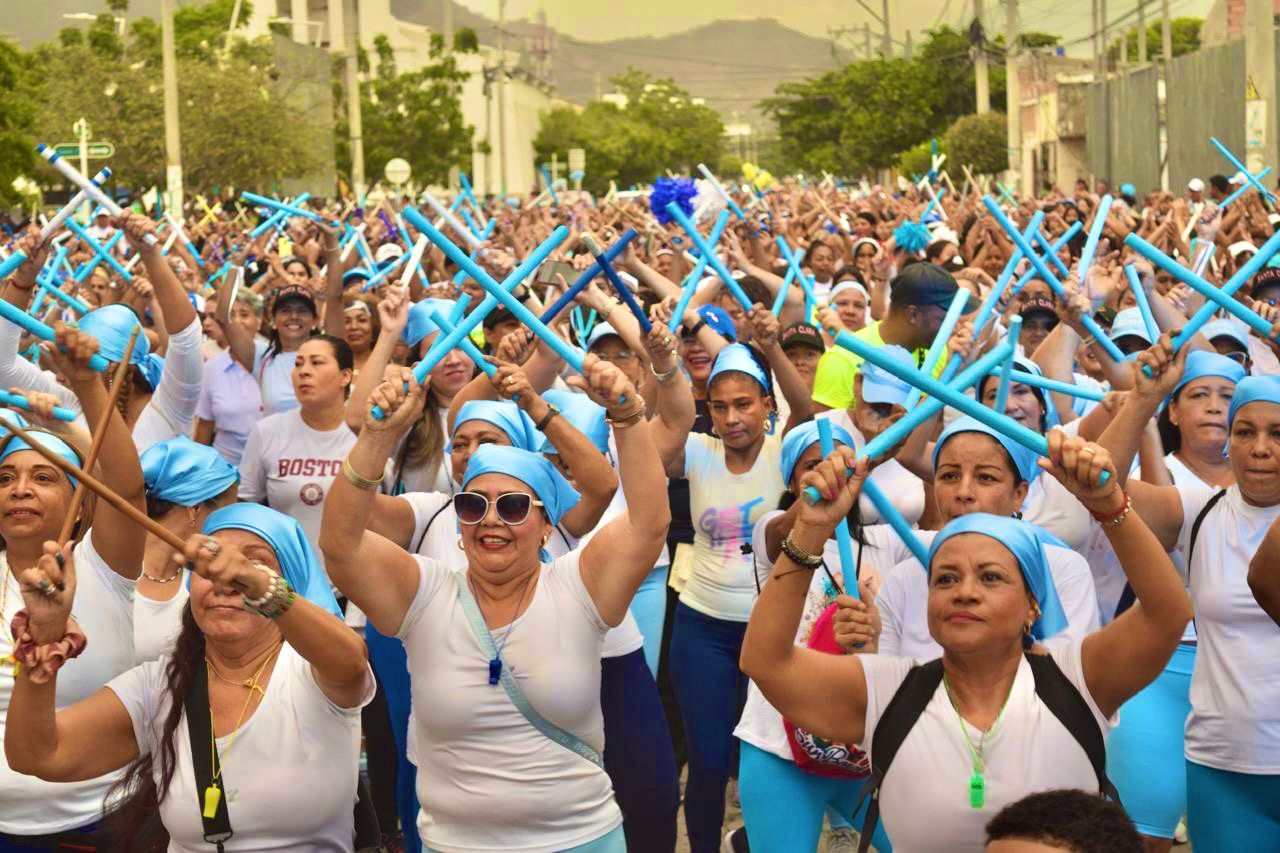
(1112, 519)
(278, 598)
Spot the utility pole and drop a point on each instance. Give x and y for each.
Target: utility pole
(354, 122)
(1142, 33)
(980, 60)
(907, 48)
(298, 20)
(1260, 85)
(1013, 91)
(866, 32)
(446, 28)
(172, 139)
(1097, 55)
(1166, 31)
(502, 96)
(888, 38)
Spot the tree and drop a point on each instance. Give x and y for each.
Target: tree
(661, 127)
(981, 141)
(16, 147)
(917, 160)
(416, 115)
(1184, 37)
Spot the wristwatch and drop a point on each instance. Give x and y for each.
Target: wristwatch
(552, 411)
(799, 556)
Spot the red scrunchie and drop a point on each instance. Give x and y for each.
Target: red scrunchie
(42, 661)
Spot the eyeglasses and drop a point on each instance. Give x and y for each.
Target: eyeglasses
(1237, 356)
(513, 507)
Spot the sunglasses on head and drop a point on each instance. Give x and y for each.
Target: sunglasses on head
(513, 507)
(1238, 356)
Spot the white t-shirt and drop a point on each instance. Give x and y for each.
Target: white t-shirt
(104, 608)
(292, 465)
(724, 508)
(1052, 507)
(487, 779)
(171, 410)
(275, 380)
(232, 400)
(289, 778)
(434, 476)
(924, 799)
(903, 602)
(761, 724)
(903, 489)
(1235, 687)
(156, 623)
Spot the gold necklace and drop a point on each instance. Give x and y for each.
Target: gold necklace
(251, 683)
(213, 793)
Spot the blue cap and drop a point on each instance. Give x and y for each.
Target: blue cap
(801, 438)
(1227, 327)
(881, 386)
(598, 331)
(718, 320)
(1202, 363)
(1128, 189)
(532, 469)
(1024, 460)
(13, 444)
(180, 471)
(1255, 389)
(297, 559)
(736, 358)
(506, 416)
(1025, 543)
(583, 413)
(1128, 323)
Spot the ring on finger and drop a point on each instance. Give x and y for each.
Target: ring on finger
(212, 546)
(45, 587)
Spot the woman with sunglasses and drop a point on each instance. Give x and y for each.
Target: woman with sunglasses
(35, 498)
(263, 660)
(511, 621)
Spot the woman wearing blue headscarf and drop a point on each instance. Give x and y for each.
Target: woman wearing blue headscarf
(1232, 741)
(160, 400)
(185, 482)
(267, 663)
(985, 736)
(35, 498)
(505, 656)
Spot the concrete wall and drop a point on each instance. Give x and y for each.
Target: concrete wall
(1123, 121)
(305, 83)
(1205, 98)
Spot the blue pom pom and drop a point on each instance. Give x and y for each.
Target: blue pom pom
(911, 236)
(667, 190)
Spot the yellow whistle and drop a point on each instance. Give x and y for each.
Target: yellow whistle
(212, 797)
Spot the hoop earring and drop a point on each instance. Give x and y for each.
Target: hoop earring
(460, 545)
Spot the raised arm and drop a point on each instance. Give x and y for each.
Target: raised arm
(1127, 655)
(170, 295)
(787, 379)
(393, 315)
(618, 558)
(334, 321)
(674, 411)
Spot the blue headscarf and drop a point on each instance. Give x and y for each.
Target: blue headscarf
(1202, 363)
(181, 472)
(583, 413)
(112, 325)
(532, 469)
(506, 416)
(1026, 365)
(801, 438)
(1024, 542)
(736, 358)
(9, 416)
(44, 439)
(297, 559)
(1255, 389)
(1024, 460)
(420, 323)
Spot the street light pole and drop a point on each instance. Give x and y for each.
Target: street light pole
(354, 121)
(502, 96)
(172, 141)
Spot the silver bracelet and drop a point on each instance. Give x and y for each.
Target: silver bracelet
(666, 374)
(255, 603)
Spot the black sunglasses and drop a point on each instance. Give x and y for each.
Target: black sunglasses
(513, 507)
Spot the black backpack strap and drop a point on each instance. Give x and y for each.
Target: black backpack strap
(204, 761)
(1062, 698)
(426, 528)
(908, 703)
(1127, 597)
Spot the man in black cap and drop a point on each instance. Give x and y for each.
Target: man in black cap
(918, 300)
(803, 345)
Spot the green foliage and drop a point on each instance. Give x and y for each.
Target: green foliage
(980, 141)
(916, 160)
(862, 116)
(661, 128)
(16, 152)
(1184, 37)
(1036, 39)
(465, 40)
(416, 115)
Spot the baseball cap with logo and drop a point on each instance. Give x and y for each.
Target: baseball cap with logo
(718, 321)
(802, 334)
(925, 284)
(1226, 327)
(1128, 323)
(881, 386)
(294, 293)
(1038, 305)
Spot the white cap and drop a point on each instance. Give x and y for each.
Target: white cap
(1240, 247)
(1237, 179)
(387, 252)
(1195, 185)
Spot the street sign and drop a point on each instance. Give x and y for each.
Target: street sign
(94, 150)
(397, 170)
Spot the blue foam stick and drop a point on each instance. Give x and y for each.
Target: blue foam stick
(27, 323)
(1050, 253)
(1244, 188)
(1250, 177)
(1095, 234)
(889, 513)
(1089, 323)
(933, 202)
(17, 401)
(1217, 298)
(624, 292)
(1144, 306)
(382, 272)
(1030, 439)
(844, 542)
(1070, 389)
(806, 283)
(276, 218)
(781, 298)
(586, 276)
(459, 308)
(62, 296)
(471, 223)
(551, 185)
(465, 344)
(289, 209)
(103, 254)
(1004, 191)
(691, 283)
(939, 346)
(1002, 391)
(673, 209)
(1057, 246)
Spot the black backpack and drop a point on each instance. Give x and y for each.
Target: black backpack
(916, 691)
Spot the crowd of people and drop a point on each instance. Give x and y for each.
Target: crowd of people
(266, 586)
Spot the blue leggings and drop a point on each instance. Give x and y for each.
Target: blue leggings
(1145, 752)
(389, 661)
(649, 607)
(637, 753)
(783, 805)
(1229, 812)
(710, 690)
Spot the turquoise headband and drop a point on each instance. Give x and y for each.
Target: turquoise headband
(801, 438)
(47, 440)
(532, 469)
(179, 471)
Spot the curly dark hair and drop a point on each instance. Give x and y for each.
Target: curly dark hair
(1073, 820)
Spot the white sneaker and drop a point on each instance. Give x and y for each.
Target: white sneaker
(843, 840)
(735, 841)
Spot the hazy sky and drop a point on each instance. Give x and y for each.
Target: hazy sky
(606, 19)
